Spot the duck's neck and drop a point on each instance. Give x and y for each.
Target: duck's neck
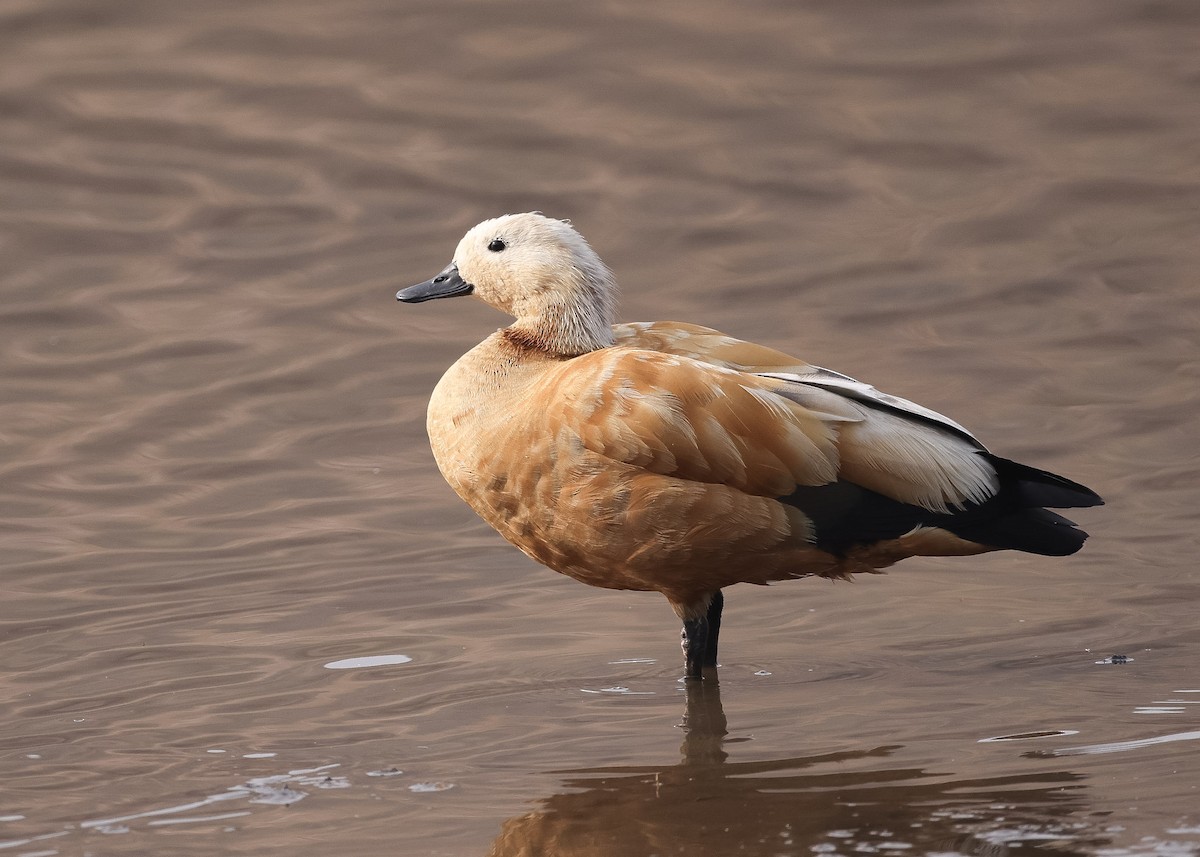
(581, 322)
(562, 332)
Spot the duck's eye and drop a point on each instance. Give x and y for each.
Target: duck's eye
(497, 245)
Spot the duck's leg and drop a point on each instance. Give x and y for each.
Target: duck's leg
(699, 638)
(714, 629)
(694, 641)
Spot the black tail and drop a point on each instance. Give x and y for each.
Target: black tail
(1020, 519)
(1040, 488)
(845, 515)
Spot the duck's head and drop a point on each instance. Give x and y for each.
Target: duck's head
(538, 270)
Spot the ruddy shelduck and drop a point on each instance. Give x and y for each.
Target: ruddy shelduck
(670, 457)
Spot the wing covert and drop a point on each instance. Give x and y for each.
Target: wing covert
(678, 417)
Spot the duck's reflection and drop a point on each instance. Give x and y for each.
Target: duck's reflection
(836, 803)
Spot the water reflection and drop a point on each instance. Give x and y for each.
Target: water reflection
(832, 803)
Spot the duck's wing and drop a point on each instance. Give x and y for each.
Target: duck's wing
(887, 444)
(712, 346)
(900, 468)
(677, 416)
(674, 416)
(844, 385)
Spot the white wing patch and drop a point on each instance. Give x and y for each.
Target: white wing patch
(915, 463)
(847, 386)
(894, 446)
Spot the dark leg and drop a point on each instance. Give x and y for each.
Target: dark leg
(714, 629)
(695, 641)
(700, 639)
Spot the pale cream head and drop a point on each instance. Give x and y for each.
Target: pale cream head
(543, 273)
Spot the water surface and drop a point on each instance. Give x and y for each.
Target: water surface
(215, 481)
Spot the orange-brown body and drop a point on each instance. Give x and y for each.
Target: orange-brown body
(647, 466)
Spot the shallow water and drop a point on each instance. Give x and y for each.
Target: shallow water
(215, 484)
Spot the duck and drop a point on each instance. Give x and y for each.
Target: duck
(670, 457)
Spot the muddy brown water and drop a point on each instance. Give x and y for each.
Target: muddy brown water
(215, 481)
